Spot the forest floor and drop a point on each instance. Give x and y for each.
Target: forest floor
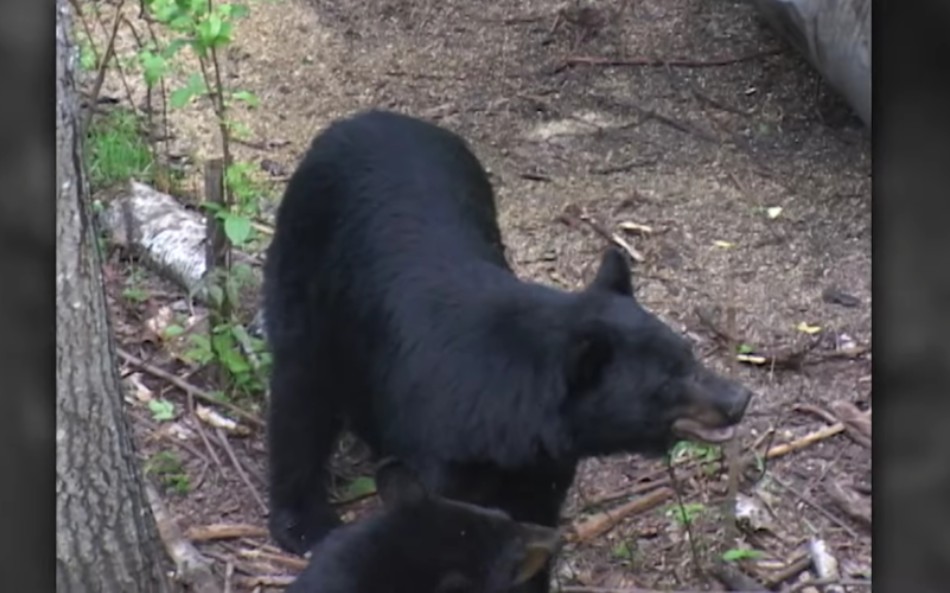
(710, 147)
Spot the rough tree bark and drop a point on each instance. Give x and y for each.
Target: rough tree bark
(106, 535)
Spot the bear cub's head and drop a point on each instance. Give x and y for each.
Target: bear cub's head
(423, 543)
(634, 384)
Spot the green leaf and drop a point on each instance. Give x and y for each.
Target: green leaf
(173, 331)
(234, 11)
(360, 487)
(237, 228)
(162, 410)
(736, 554)
(153, 66)
(247, 97)
(622, 551)
(181, 97)
(173, 48)
(745, 349)
(216, 295)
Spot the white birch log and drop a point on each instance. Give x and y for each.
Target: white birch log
(169, 237)
(835, 36)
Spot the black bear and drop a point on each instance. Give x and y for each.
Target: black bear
(390, 309)
(421, 543)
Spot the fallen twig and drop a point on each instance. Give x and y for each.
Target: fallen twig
(811, 502)
(857, 423)
(586, 589)
(853, 504)
(660, 62)
(223, 439)
(791, 359)
(197, 392)
(624, 167)
(734, 579)
(600, 523)
(798, 587)
(573, 216)
(292, 562)
(805, 441)
(101, 74)
(192, 568)
(216, 531)
(265, 580)
(798, 565)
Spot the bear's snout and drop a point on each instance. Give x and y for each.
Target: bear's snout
(713, 406)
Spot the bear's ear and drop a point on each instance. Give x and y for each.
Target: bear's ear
(588, 354)
(613, 274)
(541, 543)
(397, 484)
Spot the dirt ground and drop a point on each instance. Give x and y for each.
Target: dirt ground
(755, 182)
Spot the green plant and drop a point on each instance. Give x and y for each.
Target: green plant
(701, 452)
(170, 471)
(359, 488)
(117, 151)
(737, 554)
(205, 28)
(622, 551)
(162, 410)
(87, 55)
(685, 514)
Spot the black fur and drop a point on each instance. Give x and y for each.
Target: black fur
(425, 544)
(390, 306)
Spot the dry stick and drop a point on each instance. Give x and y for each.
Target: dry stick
(612, 238)
(293, 562)
(201, 430)
(857, 424)
(186, 387)
(791, 570)
(631, 490)
(805, 441)
(674, 63)
(192, 568)
(811, 502)
(165, 135)
(596, 525)
(77, 8)
(118, 65)
(854, 505)
(216, 531)
(687, 522)
(731, 449)
(223, 439)
(825, 582)
(593, 589)
(734, 579)
(101, 74)
(265, 580)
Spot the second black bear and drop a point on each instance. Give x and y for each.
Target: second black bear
(390, 308)
(421, 543)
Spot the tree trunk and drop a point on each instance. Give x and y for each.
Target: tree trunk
(106, 535)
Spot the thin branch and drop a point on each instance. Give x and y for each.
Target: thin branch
(660, 62)
(223, 438)
(186, 387)
(101, 74)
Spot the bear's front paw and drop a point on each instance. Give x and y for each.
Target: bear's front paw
(297, 532)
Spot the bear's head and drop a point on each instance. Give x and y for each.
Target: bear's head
(634, 384)
(447, 546)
